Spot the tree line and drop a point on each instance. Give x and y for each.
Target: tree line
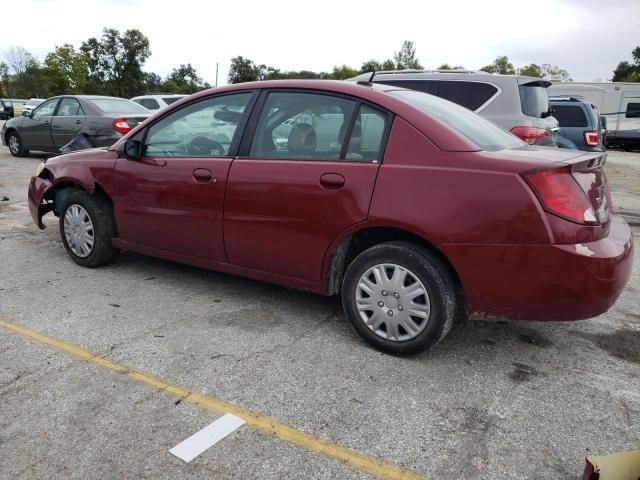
(112, 65)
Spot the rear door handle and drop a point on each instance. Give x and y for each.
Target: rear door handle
(202, 174)
(332, 180)
(78, 122)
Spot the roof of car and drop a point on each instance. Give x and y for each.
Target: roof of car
(450, 75)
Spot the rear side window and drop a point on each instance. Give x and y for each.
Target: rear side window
(114, 105)
(570, 116)
(485, 134)
(633, 110)
(302, 126)
(170, 100)
(425, 86)
(534, 100)
(471, 95)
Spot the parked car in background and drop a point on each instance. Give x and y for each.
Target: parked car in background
(618, 103)
(516, 103)
(580, 124)
(31, 104)
(6, 109)
(155, 102)
(408, 205)
(74, 122)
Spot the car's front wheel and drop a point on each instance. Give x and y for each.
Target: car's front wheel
(16, 147)
(86, 228)
(399, 297)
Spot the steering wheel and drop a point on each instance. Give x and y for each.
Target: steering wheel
(205, 146)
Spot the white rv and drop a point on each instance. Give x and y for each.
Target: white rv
(618, 103)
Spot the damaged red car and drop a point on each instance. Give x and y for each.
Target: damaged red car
(409, 206)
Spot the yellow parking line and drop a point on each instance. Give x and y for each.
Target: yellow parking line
(283, 431)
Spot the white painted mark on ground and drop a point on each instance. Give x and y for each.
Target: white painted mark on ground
(200, 441)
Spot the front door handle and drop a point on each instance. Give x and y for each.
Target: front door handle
(332, 180)
(78, 122)
(202, 174)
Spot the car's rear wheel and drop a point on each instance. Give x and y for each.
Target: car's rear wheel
(86, 228)
(16, 147)
(399, 297)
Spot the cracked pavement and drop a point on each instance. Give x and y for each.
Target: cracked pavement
(495, 400)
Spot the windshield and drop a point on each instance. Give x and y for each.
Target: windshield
(114, 105)
(534, 101)
(480, 131)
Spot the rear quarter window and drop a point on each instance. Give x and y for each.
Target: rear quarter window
(570, 115)
(426, 86)
(471, 95)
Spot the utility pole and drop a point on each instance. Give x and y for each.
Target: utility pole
(216, 74)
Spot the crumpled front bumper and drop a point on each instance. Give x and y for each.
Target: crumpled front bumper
(38, 187)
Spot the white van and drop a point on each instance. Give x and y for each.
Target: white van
(618, 103)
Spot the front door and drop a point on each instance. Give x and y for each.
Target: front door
(67, 122)
(307, 175)
(171, 199)
(36, 129)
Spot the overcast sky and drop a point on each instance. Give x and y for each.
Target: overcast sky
(586, 37)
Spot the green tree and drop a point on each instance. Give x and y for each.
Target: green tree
(446, 66)
(186, 80)
(4, 79)
(29, 83)
(343, 72)
(115, 62)
(66, 70)
(532, 70)
(375, 65)
(406, 57)
(243, 70)
(152, 82)
(500, 65)
(626, 71)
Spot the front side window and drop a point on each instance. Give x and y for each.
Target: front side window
(46, 109)
(303, 126)
(633, 110)
(485, 134)
(203, 129)
(70, 107)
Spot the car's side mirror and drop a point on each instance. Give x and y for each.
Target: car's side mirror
(133, 149)
(26, 113)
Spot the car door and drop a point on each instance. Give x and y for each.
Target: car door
(36, 128)
(305, 174)
(67, 122)
(171, 198)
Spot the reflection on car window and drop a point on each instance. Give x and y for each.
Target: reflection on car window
(70, 107)
(302, 126)
(46, 109)
(205, 128)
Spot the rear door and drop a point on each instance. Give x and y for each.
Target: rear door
(36, 129)
(171, 199)
(305, 172)
(67, 122)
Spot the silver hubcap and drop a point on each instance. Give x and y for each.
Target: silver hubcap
(14, 145)
(393, 302)
(78, 231)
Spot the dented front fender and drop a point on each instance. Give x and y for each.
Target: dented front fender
(38, 188)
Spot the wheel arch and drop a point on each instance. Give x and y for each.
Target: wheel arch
(354, 242)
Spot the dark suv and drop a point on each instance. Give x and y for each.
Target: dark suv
(580, 124)
(516, 103)
(6, 109)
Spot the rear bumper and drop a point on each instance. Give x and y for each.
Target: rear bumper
(38, 188)
(545, 282)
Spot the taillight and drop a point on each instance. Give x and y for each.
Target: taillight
(591, 139)
(560, 194)
(530, 134)
(120, 125)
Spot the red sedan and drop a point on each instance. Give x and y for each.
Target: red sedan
(406, 204)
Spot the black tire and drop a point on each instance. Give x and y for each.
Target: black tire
(104, 228)
(20, 151)
(433, 274)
